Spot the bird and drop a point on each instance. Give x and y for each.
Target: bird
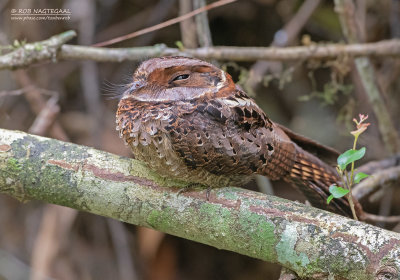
(188, 120)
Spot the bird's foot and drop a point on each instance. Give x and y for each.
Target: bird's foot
(193, 186)
(208, 191)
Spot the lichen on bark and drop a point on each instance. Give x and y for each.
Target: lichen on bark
(313, 243)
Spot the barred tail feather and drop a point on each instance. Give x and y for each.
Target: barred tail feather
(313, 177)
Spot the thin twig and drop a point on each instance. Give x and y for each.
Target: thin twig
(46, 117)
(15, 92)
(37, 103)
(26, 89)
(164, 24)
(376, 181)
(375, 166)
(291, 30)
(381, 219)
(158, 14)
(137, 20)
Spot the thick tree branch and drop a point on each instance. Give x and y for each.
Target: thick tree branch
(53, 50)
(313, 243)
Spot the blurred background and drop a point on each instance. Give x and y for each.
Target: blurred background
(74, 100)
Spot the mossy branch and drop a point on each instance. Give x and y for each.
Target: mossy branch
(26, 54)
(55, 49)
(313, 243)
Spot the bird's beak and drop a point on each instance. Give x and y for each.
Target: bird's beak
(135, 86)
(132, 87)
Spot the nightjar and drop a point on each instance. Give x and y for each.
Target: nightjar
(188, 120)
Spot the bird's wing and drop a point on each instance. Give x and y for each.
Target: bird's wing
(231, 135)
(327, 154)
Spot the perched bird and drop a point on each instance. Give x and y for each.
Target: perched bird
(188, 120)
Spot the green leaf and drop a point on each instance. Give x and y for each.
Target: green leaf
(338, 192)
(329, 199)
(180, 46)
(349, 157)
(16, 44)
(359, 176)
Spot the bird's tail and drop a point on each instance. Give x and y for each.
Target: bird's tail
(313, 177)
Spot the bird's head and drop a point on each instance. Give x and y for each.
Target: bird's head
(176, 78)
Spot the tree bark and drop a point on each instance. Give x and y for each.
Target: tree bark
(313, 243)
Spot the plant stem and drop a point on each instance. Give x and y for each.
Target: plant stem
(352, 164)
(350, 184)
(350, 199)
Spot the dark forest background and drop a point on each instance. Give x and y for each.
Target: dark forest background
(313, 98)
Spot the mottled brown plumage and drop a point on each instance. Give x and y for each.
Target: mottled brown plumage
(188, 120)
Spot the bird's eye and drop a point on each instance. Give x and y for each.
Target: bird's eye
(181, 77)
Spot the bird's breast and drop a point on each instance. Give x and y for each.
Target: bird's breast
(162, 138)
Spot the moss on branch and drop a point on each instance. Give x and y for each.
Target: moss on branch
(311, 242)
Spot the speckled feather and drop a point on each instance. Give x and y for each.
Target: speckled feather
(187, 119)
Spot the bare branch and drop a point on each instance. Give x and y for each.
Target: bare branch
(375, 181)
(328, 51)
(381, 219)
(37, 102)
(53, 50)
(46, 117)
(374, 166)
